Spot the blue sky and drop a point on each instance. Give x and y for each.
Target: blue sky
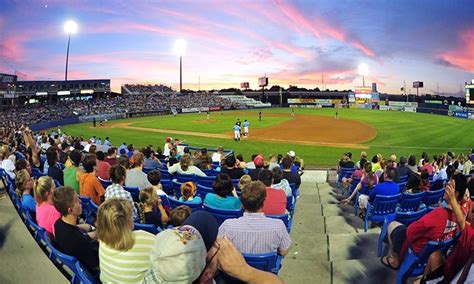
(229, 42)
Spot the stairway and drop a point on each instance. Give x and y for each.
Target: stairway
(329, 242)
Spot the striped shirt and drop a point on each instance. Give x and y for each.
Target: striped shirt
(254, 233)
(115, 190)
(126, 266)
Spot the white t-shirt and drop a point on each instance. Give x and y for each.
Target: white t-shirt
(216, 157)
(9, 167)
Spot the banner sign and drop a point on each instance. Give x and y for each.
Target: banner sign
(409, 109)
(403, 104)
(310, 101)
(435, 102)
(214, 108)
(464, 115)
(455, 108)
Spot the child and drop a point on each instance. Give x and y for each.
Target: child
(179, 215)
(149, 203)
(188, 192)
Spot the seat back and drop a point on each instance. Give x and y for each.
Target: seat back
(402, 186)
(83, 276)
(285, 218)
(166, 184)
(294, 189)
(265, 262)
(105, 183)
(176, 186)
(410, 202)
(431, 198)
(385, 204)
(185, 177)
(58, 257)
(236, 183)
(34, 227)
(165, 174)
(290, 204)
(134, 191)
(345, 172)
(203, 191)
(205, 181)
(222, 215)
(36, 173)
(147, 227)
(147, 170)
(175, 203)
(213, 173)
(410, 217)
(404, 178)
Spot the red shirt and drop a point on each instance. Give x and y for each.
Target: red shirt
(275, 202)
(103, 169)
(438, 225)
(463, 249)
(111, 161)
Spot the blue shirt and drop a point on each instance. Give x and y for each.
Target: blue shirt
(195, 200)
(236, 128)
(29, 202)
(384, 188)
(229, 203)
(246, 124)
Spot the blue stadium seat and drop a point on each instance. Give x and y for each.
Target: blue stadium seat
(403, 178)
(60, 259)
(147, 227)
(205, 181)
(203, 191)
(294, 190)
(105, 183)
(402, 186)
(176, 186)
(165, 174)
(344, 173)
(222, 215)
(57, 183)
(432, 198)
(34, 227)
(134, 191)
(270, 262)
(147, 170)
(384, 206)
(354, 183)
(402, 217)
(185, 177)
(236, 183)
(166, 184)
(414, 265)
(36, 173)
(286, 218)
(175, 203)
(410, 201)
(83, 276)
(213, 173)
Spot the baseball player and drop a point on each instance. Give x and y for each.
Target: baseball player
(237, 132)
(246, 128)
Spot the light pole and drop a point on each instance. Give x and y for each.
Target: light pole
(70, 27)
(180, 49)
(363, 71)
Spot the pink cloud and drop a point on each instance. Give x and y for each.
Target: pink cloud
(319, 27)
(463, 56)
(11, 47)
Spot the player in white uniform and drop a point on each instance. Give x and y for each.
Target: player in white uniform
(246, 128)
(236, 132)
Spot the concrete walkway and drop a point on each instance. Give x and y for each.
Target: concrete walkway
(329, 242)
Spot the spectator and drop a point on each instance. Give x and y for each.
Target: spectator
(115, 190)
(124, 254)
(111, 156)
(6, 163)
(24, 186)
(172, 158)
(368, 181)
(376, 163)
(412, 164)
(357, 174)
(124, 162)
(72, 174)
(78, 240)
(240, 161)
(219, 155)
(122, 148)
(254, 233)
(63, 154)
(188, 192)
(387, 187)
(290, 176)
(167, 147)
(150, 161)
(418, 182)
(154, 177)
(402, 169)
(135, 176)
(53, 170)
(102, 166)
(439, 224)
(151, 208)
(258, 162)
(279, 182)
(23, 164)
(225, 196)
(275, 200)
(363, 156)
(185, 167)
(244, 181)
(46, 214)
(231, 168)
(130, 150)
(107, 143)
(346, 161)
(179, 214)
(467, 166)
(89, 185)
(426, 165)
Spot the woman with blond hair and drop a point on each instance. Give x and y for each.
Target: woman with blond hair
(151, 208)
(124, 254)
(185, 166)
(46, 214)
(24, 187)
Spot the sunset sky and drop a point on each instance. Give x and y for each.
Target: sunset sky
(234, 41)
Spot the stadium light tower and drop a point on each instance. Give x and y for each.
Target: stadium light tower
(179, 50)
(363, 71)
(70, 27)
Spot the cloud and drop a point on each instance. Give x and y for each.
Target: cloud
(461, 57)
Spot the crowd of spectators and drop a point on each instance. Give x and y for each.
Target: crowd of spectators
(453, 216)
(53, 172)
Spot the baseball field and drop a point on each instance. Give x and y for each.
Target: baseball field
(314, 134)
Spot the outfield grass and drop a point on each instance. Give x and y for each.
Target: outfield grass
(401, 133)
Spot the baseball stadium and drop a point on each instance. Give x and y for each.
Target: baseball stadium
(259, 142)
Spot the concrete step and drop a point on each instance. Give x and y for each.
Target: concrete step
(305, 271)
(336, 210)
(309, 247)
(365, 271)
(352, 246)
(346, 225)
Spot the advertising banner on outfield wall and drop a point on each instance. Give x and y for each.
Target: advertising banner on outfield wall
(464, 115)
(383, 107)
(403, 104)
(194, 109)
(433, 102)
(455, 108)
(310, 101)
(214, 108)
(409, 109)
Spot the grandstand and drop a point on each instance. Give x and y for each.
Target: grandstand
(245, 101)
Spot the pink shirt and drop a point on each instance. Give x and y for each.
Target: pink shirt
(428, 167)
(275, 202)
(46, 216)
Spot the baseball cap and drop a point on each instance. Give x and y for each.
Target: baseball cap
(178, 256)
(291, 153)
(348, 154)
(168, 139)
(258, 161)
(206, 224)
